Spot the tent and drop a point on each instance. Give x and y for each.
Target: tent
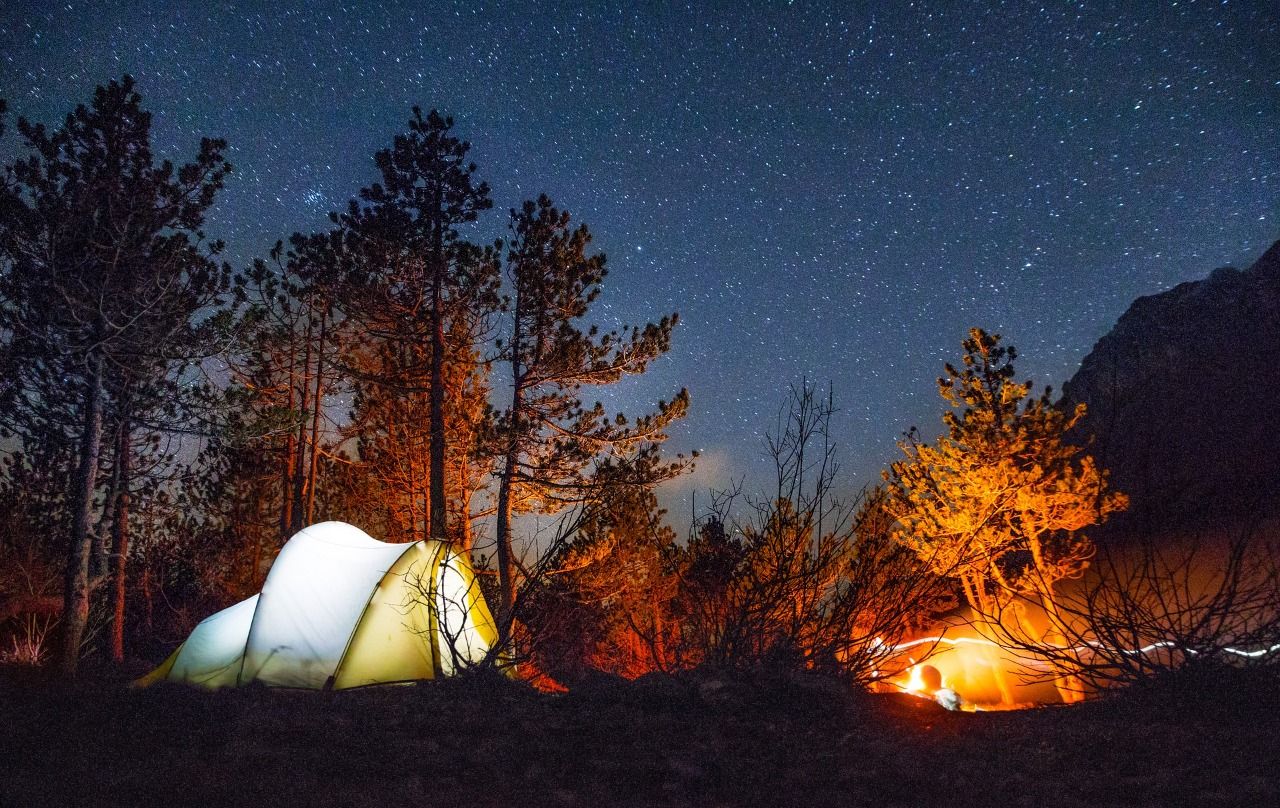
(342, 609)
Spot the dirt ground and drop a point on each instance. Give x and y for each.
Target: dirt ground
(743, 739)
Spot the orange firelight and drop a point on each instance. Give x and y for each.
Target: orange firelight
(982, 674)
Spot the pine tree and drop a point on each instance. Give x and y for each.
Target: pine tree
(998, 502)
(300, 359)
(422, 288)
(103, 279)
(391, 426)
(605, 603)
(549, 439)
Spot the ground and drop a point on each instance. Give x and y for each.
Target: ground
(743, 739)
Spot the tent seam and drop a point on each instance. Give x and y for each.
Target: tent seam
(333, 677)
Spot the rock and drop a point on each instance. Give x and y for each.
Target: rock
(1181, 398)
(948, 699)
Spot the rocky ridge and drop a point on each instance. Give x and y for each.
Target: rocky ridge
(1182, 400)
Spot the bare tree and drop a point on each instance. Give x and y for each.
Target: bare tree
(1159, 606)
(805, 578)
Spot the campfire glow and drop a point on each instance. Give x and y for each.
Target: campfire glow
(986, 676)
(982, 674)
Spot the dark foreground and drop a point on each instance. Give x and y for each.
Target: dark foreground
(758, 740)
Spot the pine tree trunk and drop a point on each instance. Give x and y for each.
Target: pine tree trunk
(1069, 686)
(300, 447)
(468, 533)
(505, 558)
(99, 565)
(315, 422)
(289, 464)
(120, 536)
(148, 601)
(406, 476)
(971, 594)
(75, 611)
(439, 516)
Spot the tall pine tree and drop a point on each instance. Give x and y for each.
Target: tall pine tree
(104, 273)
(549, 439)
(423, 293)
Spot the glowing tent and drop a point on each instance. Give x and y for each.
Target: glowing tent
(342, 609)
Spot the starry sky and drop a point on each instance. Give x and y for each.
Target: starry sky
(831, 191)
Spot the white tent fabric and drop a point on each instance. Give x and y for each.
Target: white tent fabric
(321, 580)
(342, 609)
(211, 656)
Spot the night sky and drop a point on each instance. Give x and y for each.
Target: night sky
(820, 191)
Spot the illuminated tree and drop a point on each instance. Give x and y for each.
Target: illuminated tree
(998, 502)
(393, 438)
(422, 294)
(549, 439)
(604, 603)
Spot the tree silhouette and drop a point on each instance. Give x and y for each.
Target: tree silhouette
(549, 438)
(420, 280)
(103, 279)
